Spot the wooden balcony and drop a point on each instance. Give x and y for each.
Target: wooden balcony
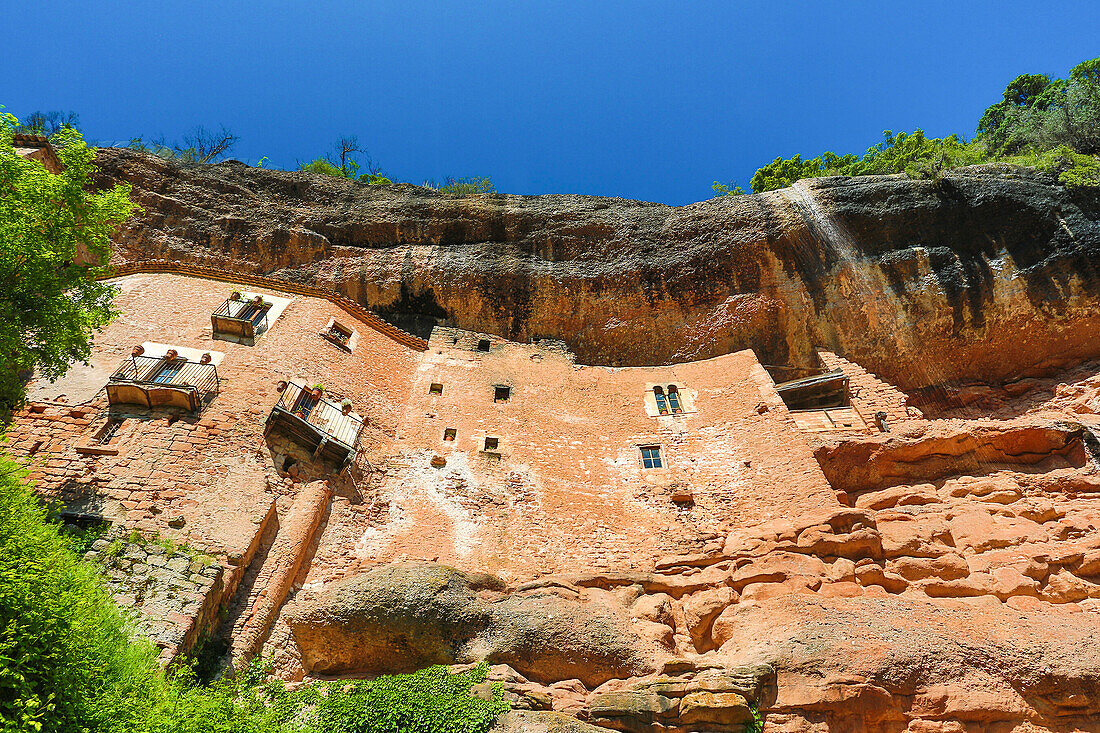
(156, 381)
(240, 321)
(316, 423)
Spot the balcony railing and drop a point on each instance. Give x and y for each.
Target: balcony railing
(156, 381)
(240, 320)
(316, 422)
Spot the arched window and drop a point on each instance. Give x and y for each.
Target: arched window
(674, 399)
(662, 405)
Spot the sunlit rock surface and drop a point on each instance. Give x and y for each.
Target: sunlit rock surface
(925, 560)
(986, 272)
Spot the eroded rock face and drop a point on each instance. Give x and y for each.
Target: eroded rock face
(876, 663)
(953, 584)
(881, 269)
(404, 617)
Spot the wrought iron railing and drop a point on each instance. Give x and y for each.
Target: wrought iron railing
(239, 314)
(321, 414)
(178, 373)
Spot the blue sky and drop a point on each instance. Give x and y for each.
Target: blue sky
(637, 99)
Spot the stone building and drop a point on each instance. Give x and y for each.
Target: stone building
(37, 147)
(199, 420)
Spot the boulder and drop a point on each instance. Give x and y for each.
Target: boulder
(714, 709)
(403, 617)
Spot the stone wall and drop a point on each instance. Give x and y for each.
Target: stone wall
(176, 595)
(565, 486)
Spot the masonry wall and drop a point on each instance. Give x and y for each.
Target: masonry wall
(210, 480)
(565, 488)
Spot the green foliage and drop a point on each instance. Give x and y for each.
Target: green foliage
(341, 164)
(757, 724)
(1052, 124)
(53, 242)
(730, 189)
(67, 662)
(428, 701)
(916, 155)
(782, 172)
(49, 124)
(460, 187)
(1073, 169)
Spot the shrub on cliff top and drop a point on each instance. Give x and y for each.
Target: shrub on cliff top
(1037, 115)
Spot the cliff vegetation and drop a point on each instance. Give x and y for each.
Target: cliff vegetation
(1049, 124)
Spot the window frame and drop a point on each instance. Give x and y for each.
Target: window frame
(168, 368)
(662, 402)
(651, 456)
(336, 327)
(675, 403)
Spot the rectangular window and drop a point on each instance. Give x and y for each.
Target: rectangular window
(109, 431)
(168, 371)
(674, 400)
(304, 405)
(651, 456)
(501, 394)
(483, 345)
(254, 313)
(436, 388)
(491, 443)
(449, 434)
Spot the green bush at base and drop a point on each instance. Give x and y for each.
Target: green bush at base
(68, 663)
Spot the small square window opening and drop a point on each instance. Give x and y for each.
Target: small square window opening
(501, 394)
(339, 334)
(651, 456)
(449, 434)
(109, 431)
(436, 388)
(491, 443)
(483, 345)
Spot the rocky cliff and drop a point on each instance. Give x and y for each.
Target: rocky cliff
(986, 274)
(945, 579)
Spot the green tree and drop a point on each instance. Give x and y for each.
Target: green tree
(54, 240)
(916, 155)
(1024, 95)
(342, 164)
(727, 189)
(49, 123)
(782, 172)
(67, 662)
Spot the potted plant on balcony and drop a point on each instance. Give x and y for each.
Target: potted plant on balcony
(317, 391)
(137, 350)
(281, 385)
(236, 296)
(345, 406)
